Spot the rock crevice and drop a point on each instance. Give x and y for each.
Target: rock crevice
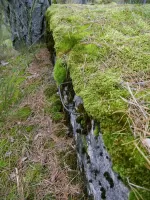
(93, 158)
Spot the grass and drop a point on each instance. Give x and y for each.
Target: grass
(32, 130)
(60, 72)
(54, 106)
(106, 50)
(15, 137)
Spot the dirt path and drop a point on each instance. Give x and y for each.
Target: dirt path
(46, 145)
(42, 160)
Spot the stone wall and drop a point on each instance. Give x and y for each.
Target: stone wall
(93, 159)
(26, 18)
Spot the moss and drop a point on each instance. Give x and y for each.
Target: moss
(54, 108)
(59, 72)
(96, 131)
(104, 47)
(69, 41)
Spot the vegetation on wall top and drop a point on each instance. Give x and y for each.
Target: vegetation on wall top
(107, 52)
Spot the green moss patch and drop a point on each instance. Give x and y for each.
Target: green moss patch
(106, 50)
(22, 113)
(59, 71)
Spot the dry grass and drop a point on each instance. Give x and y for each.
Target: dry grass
(56, 181)
(139, 110)
(37, 173)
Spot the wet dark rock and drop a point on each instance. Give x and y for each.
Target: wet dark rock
(94, 160)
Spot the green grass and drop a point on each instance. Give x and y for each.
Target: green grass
(104, 47)
(16, 138)
(26, 146)
(11, 82)
(54, 106)
(21, 114)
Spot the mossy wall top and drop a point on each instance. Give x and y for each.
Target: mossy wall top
(106, 49)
